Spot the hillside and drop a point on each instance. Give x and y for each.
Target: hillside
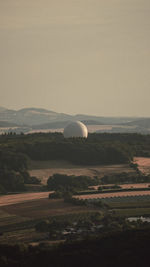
(31, 116)
(29, 120)
(8, 124)
(143, 123)
(38, 116)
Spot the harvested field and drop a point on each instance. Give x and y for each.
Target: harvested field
(44, 169)
(143, 164)
(18, 198)
(115, 194)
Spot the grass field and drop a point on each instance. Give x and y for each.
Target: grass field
(44, 169)
(132, 212)
(136, 207)
(130, 204)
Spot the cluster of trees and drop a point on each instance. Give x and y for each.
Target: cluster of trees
(11, 181)
(13, 172)
(11, 160)
(120, 178)
(70, 183)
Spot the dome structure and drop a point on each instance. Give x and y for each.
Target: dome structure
(75, 129)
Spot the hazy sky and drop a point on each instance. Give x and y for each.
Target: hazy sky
(76, 56)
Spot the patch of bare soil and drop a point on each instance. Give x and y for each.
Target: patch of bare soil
(143, 164)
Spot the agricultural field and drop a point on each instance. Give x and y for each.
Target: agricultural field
(44, 169)
(43, 208)
(138, 206)
(19, 198)
(114, 195)
(143, 164)
(17, 221)
(129, 212)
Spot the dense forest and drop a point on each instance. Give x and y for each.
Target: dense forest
(17, 150)
(96, 149)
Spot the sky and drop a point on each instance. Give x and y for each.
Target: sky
(76, 56)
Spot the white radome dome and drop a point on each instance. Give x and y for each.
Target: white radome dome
(75, 129)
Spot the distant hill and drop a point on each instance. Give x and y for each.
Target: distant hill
(39, 116)
(104, 120)
(31, 116)
(7, 124)
(34, 119)
(144, 123)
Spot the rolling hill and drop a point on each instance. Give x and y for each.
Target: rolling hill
(39, 116)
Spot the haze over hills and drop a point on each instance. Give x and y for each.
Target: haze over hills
(35, 116)
(31, 116)
(30, 119)
(145, 123)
